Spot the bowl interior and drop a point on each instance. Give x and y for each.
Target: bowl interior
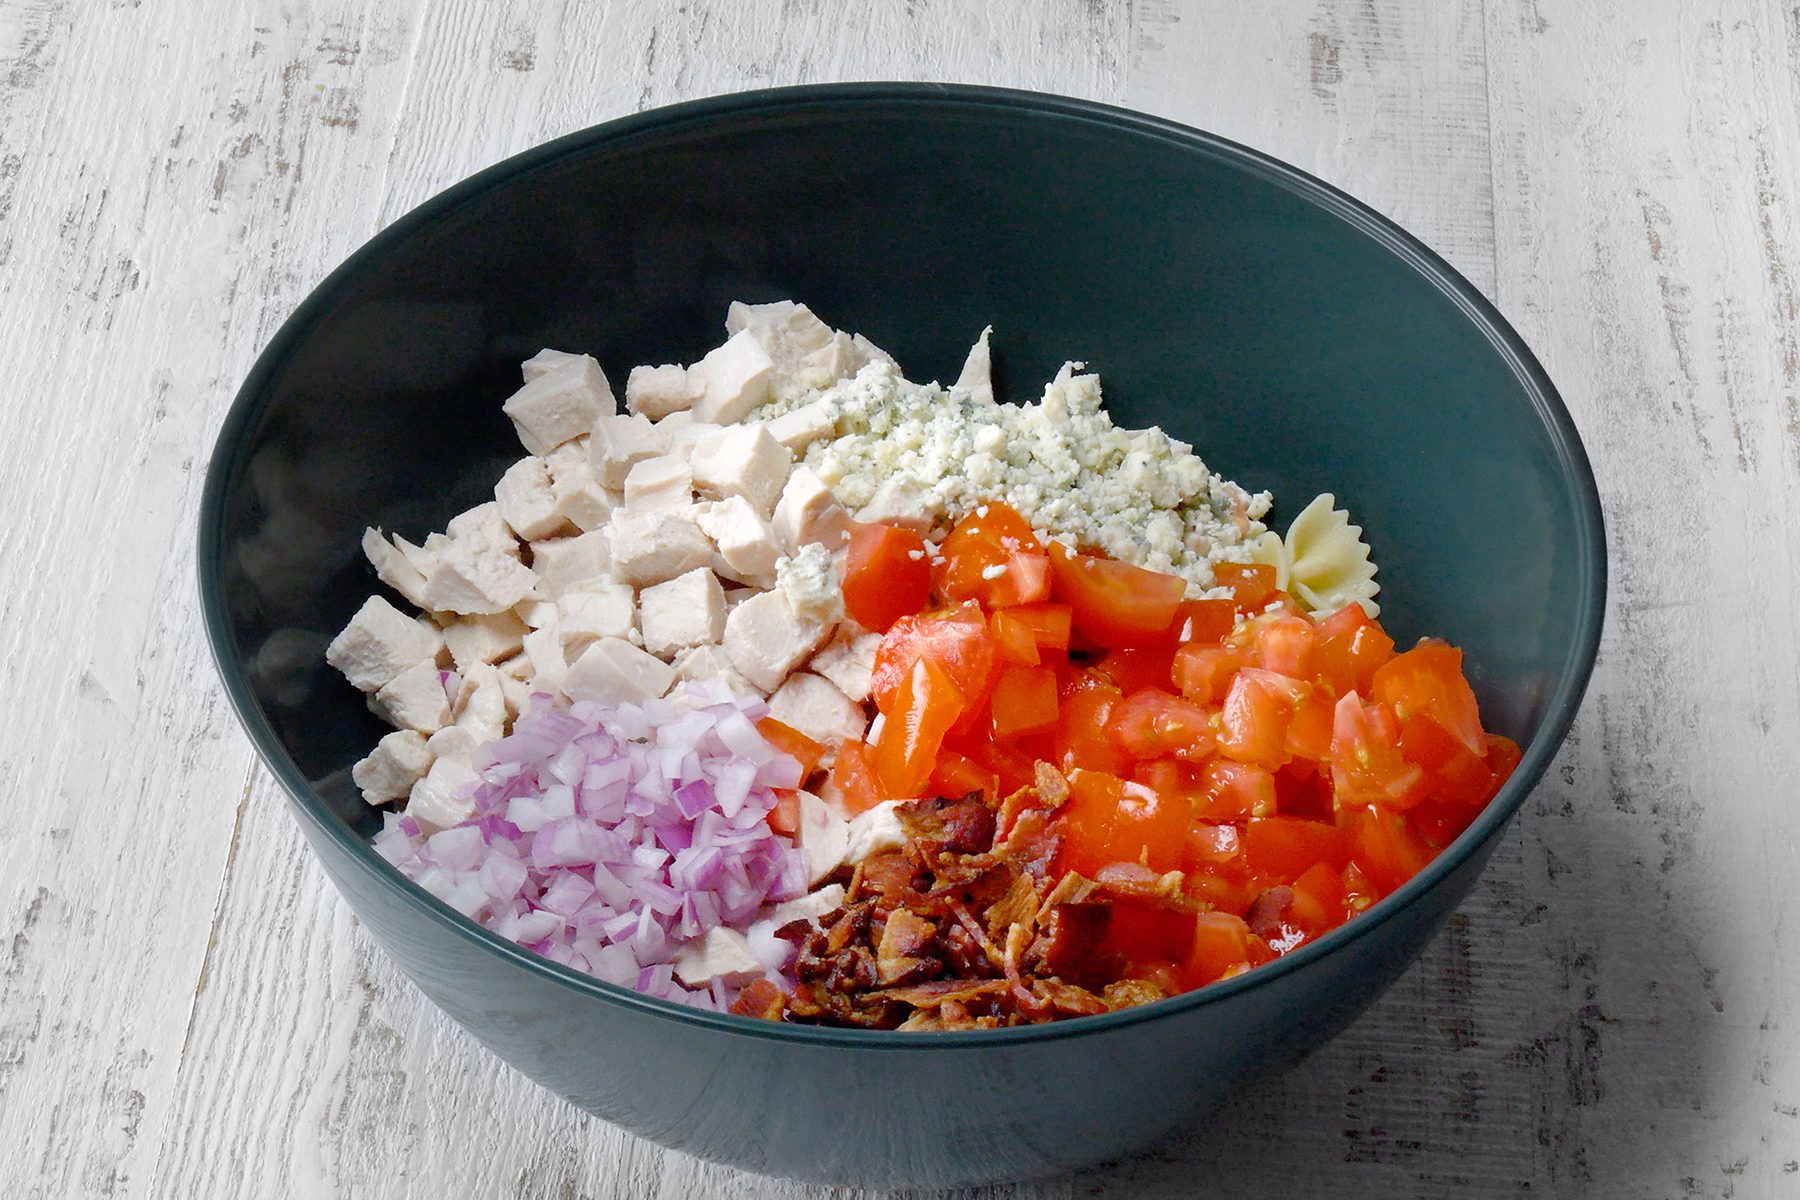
(1300, 343)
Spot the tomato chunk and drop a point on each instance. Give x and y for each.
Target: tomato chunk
(1221, 944)
(793, 743)
(923, 711)
(1366, 764)
(1024, 701)
(1114, 604)
(1081, 739)
(957, 639)
(1348, 649)
(1426, 683)
(1203, 673)
(1151, 723)
(1286, 848)
(886, 575)
(1385, 847)
(1253, 725)
(993, 556)
(1109, 820)
(1252, 585)
(1235, 791)
(784, 818)
(1013, 639)
(956, 775)
(852, 779)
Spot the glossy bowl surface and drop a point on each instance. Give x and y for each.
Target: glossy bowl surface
(1300, 341)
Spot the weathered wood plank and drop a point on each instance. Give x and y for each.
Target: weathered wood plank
(1649, 168)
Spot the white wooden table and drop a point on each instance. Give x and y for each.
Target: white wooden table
(187, 1010)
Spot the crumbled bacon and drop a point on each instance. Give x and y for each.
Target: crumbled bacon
(967, 927)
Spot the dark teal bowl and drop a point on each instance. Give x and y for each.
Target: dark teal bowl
(1301, 341)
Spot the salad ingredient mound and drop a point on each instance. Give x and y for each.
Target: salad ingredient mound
(797, 689)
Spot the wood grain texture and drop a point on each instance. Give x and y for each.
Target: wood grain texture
(186, 1010)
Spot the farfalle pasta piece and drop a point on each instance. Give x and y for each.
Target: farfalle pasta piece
(1323, 563)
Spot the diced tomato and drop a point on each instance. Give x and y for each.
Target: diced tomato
(1024, 701)
(1384, 847)
(886, 575)
(1319, 898)
(1427, 681)
(1138, 668)
(1141, 933)
(1201, 622)
(923, 711)
(793, 743)
(1114, 604)
(1234, 791)
(1309, 729)
(1151, 723)
(957, 639)
(1214, 844)
(956, 775)
(1359, 893)
(1152, 828)
(1366, 764)
(1502, 756)
(1013, 639)
(1303, 790)
(1081, 739)
(1284, 645)
(784, 818)
(1348, 649)
(1252, 584)
(852, 779)
(1221, 942)
(1228, 886)
(1285, 847)
(1203, 673)
(1012, 762)
(992, 556)
(1050, 624)
(1253, 724)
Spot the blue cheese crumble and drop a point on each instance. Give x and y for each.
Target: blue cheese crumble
(936, 453)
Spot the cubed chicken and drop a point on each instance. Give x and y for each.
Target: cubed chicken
(527, 499)
(597, 611)
(484, 639)
(613, 671)
(803, 426)
(574, 564)
(649, 547)
(546, 361)
(786, 331)
(686, 611)
(393, 567)
(977, 372)
(808, 513)
(718, 954)
(658, 391)
(809, 907)
(378, 644)
(710, 663)
(544, 653)
(875, 831)
(742, 461)
(899, 501)
(484, 530)
(824, 837)
(849, 660)
(414, 699)
(445, 797)
(767, 639)
(561, 404)
(620, 441)
(580, 497)
(814, 705)
(747, 548)
(737, 378)
(398, 761)
(663, 482)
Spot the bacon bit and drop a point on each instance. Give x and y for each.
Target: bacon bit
(1067, 998)
(1070, 944)
(1265, 914)
(1017, 908)
(760, 998)
(942, 991)
(1032, 843)
(1052, 788)
(1072, 888)
(904, 953)
(1129, 993)
(1134, 881)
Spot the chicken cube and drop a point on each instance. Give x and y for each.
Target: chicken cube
(378, 644)
(527, 499)
(580, 496)
(658, 391)
(815, 706)
(686, 611)
(767, 639)
(445, 797)
(398, 761)
(719, 954)
(468, 581)
(649, 547)
(803, 426)
(393, 567)
(414, 699)
(665, 481)
(875, 831)
(563, 565)
(613, 671)
(899, 501)
(483, 530)
(849, 661)
(454, 742)
(742, 461)
(840, 358)
(561, 404)
(809, 907)
(786, 331)
(486, 638)
(747, 548)
(544, 653)
(808, 513)
(704, 664)
(977, 372)
(824, 837)
(619, 441)
(737, 379)
(686, 434)
(599, 611)
(546, 361)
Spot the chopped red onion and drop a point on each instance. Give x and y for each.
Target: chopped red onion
(607, 837)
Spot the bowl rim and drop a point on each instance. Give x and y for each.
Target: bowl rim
(227, 463)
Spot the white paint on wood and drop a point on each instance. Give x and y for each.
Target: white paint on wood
(186, 1009)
